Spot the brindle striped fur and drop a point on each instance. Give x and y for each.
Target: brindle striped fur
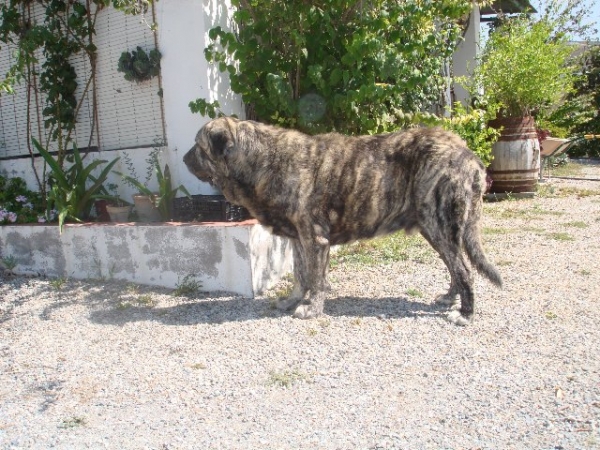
(331, 189)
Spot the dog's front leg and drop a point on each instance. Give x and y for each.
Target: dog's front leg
(314, 251)
(300, 285)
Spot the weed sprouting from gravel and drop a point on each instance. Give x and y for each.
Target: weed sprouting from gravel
(73, 422)
(576, 224)
(504, 263)
(187, 287)
(58, 283)
(146, 300)
(357, 321)
(324, 322)
(286, 378)
(578, 192)
(536, 230)
(561, 236)
(495, 230)
(384, 250)
(132, 289)
(412, 292)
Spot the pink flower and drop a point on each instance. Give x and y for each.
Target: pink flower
(12, 217)
(41, 219)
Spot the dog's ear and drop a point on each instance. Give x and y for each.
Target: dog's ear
(221, 140)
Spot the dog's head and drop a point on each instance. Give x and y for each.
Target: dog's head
(215, 142)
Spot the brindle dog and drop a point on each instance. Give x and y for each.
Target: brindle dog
(332, 189)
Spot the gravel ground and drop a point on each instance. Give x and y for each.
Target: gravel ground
(111, 365)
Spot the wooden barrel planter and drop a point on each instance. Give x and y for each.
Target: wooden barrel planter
(516, 164)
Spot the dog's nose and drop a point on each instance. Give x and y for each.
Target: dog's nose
(187, 158)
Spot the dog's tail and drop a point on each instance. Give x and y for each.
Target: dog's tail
(474, 250)
(472, 237)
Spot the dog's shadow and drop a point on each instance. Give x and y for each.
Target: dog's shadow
(224, 309)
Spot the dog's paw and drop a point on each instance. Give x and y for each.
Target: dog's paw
(447, 299)
(457, 318)
(287, 303)
(306, 312)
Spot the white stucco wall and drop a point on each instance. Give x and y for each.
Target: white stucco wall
(463, 59)
(183, 36)
(236, 257)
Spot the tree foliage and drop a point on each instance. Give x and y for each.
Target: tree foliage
(588, 87)
(524, 66)
(347, 65)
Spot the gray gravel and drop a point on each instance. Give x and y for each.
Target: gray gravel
(109, 365)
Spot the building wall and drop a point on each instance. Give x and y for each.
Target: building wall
(463, 59)
(183, 36)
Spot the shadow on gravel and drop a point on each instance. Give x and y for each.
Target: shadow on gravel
(227, 309)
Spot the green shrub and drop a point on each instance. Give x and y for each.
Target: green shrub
(471, 125)
(524, 67)
(354, 67)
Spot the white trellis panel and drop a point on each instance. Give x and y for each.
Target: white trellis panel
(129, 114)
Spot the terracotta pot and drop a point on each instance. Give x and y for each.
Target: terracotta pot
(118, 213)
(146, 209)
(101, 212)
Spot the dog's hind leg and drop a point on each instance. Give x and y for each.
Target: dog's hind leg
(461, 278)
(442, 223)
(315, 257)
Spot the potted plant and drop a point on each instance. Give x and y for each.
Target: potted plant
(117, 208)
(74, 189)
(153, 206)
(524, 68)
(138, 65)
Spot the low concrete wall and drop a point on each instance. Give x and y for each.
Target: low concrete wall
(236, 257)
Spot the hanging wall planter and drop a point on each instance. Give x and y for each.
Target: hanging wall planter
(138, 65)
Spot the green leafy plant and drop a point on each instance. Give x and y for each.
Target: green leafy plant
(47, 35)
(287, 378)
(354, 67)
(588, 88)
(188, 286)
(138, 65)
(74, 189)
(524, 67)
(472, 125)
(115, 199)
(18, 204)
(163, 197)
(9, 262)
(58, 283)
